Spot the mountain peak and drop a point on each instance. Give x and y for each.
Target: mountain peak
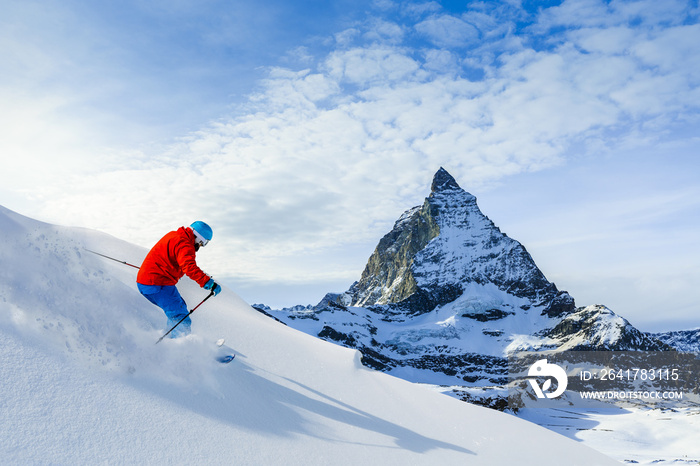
(436, 250)
(443, 180)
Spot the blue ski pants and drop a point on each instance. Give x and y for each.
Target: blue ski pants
(169, 300)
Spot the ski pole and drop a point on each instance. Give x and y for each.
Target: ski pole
(188, 314)
(112, 258)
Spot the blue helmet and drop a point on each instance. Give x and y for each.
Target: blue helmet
(202, 232)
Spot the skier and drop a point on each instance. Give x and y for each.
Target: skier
(171, 258)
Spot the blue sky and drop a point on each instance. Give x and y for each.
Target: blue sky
(302, 130)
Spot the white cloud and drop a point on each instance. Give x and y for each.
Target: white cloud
(668, 12)
(441, 61)
(385, 32)
(579, 13)
(419, 9)
(669, 47)
(346, 37)
(373, 65)
(448, 31)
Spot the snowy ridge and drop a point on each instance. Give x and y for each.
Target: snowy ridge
(598, 328)
(83, 381)
(683, 340)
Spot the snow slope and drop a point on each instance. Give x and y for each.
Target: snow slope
(82, 382)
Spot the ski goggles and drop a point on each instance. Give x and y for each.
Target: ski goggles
(199, 239)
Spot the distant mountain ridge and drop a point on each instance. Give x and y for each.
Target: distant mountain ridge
(683, 340)
(446, 296)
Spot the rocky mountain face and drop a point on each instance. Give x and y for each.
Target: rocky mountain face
(435, 250)
(446, 297)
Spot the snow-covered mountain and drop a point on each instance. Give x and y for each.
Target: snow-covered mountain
(435, 250)
(82, 381)
(687, 341)
(446, 297)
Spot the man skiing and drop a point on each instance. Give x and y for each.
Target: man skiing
(171, 258)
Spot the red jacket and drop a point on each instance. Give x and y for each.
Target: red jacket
(171, 258)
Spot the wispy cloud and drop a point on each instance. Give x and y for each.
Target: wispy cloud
(324, 156)
(448, 31)
(306, 166)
